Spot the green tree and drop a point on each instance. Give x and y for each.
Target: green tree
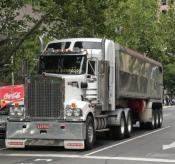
(135, 24)
(169, 78)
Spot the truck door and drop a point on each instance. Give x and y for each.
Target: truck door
(91, 91)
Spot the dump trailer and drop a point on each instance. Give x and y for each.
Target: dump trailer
(87, 86)
(9, 94)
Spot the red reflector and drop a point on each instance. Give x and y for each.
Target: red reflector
(43, 126)
(15, 143)
(75, 144)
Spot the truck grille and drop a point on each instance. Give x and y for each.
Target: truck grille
(44, 97)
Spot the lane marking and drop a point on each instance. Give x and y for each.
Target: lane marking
(47, 160)
(158, 160)
(170, 146)
(132, 139)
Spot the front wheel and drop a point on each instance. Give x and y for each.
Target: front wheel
(90, 133)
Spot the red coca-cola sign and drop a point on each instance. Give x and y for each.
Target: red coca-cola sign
(12, 92)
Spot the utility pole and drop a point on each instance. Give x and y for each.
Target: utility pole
(13, 81)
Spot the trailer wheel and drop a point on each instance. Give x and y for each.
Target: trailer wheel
(156, 118)
(119, 131)
(128, 125)
(160, 115)
(90, 133)
(151, 125)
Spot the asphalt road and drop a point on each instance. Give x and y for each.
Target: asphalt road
(157, 146)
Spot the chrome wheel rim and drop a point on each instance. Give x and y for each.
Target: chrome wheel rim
(129, 124)
(157, 120)
(160, 119)
(122, 126)
(153, 120)
(90, 133)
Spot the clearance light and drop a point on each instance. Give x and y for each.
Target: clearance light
(42, 126)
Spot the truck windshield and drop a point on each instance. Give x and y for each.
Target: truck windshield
(63, 64)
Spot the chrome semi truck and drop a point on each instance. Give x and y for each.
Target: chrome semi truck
(87, 86)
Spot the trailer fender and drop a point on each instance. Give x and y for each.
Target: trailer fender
(146, 115)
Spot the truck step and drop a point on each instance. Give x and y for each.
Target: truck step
(103, 130)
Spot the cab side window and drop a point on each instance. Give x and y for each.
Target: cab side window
(91, 67)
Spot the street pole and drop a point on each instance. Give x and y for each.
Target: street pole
(13, 81)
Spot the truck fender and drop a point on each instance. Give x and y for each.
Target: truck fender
(87, 109)
(115, 116)
(84, 106)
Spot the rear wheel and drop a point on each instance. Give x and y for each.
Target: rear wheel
(156, 118)
(128, 125)
(119, 131)
(90, 133)
(151, 125)
(160, 115)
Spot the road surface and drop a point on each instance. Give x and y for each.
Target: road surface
(153, 147)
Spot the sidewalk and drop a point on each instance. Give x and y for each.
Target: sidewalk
(169, 106)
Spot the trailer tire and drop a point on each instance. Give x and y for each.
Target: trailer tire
(129, 127)
(151, 125)
(160, 115)
(90, 133)
(156, 118)
(119, 131)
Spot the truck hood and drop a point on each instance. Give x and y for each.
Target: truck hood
(73, 90)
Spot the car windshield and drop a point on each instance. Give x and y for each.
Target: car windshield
(4, 110)
(63, 64)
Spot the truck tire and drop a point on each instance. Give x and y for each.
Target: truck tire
(160, 115)
(156, 118)
(90, 133)
(151, 125)
(128, 129)
(119, 131)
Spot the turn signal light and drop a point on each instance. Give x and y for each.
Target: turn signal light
(73, 105)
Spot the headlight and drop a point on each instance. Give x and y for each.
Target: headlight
(73, 112)
(14, 111)
(77, 112)
(69, 112)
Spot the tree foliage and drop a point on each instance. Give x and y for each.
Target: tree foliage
(135, 24)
